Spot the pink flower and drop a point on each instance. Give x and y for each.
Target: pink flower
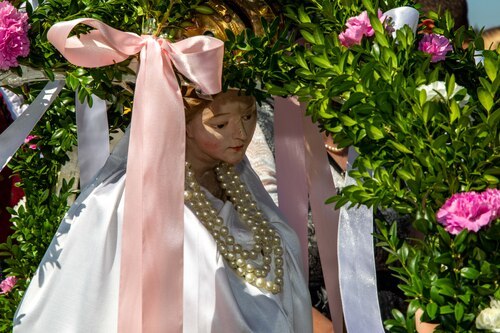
(469, 210)
(358, 27)
(14, 40)
(28, 139)
(7, 284)
(435, 45)
(492, 197)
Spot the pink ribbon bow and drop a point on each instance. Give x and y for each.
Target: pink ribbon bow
(151, 275)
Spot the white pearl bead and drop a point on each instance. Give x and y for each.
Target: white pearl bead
(260, 282)
(276, 289)
(250, 277)
(278, 262)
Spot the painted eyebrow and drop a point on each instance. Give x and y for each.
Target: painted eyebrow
(227, 113)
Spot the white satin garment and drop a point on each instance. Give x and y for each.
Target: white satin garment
(75, 288)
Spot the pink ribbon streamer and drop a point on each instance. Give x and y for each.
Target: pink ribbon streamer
(151, 275)
(301, 158)
(290, 161)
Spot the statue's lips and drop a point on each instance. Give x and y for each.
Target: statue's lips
(237, 148)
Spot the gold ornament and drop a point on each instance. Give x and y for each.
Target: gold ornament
(235, 15)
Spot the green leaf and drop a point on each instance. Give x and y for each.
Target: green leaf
(491, 179)
(491, 68)
(485, 98)
(276, 90)
(431, 310)
(299, 57)
(321, 62)
(405, 174)
(354, 99)
(308, 36)
(460, 238)
(205, 10)
(455, 111)
(368, 5)
(347, 121)
(447, 309)
(469, 273)
(398, 146)
(303, 17)
(459, 311)
(381, 38)
(318, 36)
(450, 87)
(494, 118)
(374, 132)
(435, 296)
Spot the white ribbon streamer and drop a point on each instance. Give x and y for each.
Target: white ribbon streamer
(93, 138)
(13, 137)
(358, 281)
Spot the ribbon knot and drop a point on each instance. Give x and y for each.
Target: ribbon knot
(152, 237)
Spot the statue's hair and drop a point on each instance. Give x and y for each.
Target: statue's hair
(196, 101)
(193, 103)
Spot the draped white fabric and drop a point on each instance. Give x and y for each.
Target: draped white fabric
(75, 288)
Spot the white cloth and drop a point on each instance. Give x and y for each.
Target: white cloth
(15, 103)
(75, 288)
(262, 160)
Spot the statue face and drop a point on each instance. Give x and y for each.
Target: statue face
(222, 131)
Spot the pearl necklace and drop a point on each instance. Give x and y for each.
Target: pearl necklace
(252, 264)
(333, 149)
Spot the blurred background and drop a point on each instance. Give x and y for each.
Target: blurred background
(484, 13)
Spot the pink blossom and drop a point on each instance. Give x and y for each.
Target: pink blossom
(7, 284)
(28, 139)
(492, 197)
(358, 27)
(435, 45)
(469, 210)
(14, 40)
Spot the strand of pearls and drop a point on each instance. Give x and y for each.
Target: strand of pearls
(333, 149)
(252, 264)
